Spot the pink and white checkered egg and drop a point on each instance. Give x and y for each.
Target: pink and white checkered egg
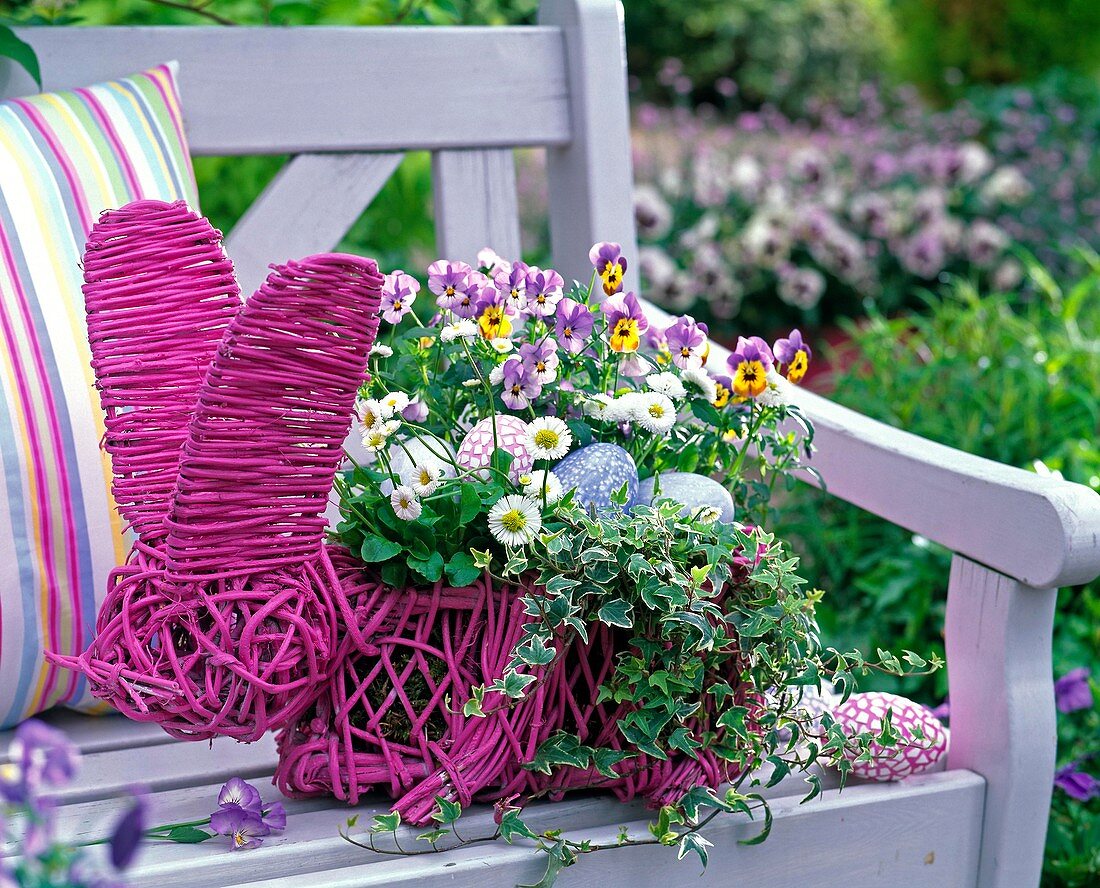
(864, 712)
(476, 449)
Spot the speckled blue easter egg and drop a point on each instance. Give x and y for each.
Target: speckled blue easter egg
(694, 491)
(596, 472)
(476, 449)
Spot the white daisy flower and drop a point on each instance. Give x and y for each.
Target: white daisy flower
(405, 504)
(395, 402)
(548, 438)
(381, 351)
(774, 395)
(515, 520)
(471, 383)
(377, 437)
(496, 375)
(372, 412)
(654, 412)
(706, 514)
(667, 384)
(534, 482)
(425, 478)
(699, 379)
(464, 329)
(501, 345)
(603, 407)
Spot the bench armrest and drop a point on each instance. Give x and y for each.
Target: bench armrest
(1042, 531)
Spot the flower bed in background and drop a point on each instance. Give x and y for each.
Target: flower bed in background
(774, 221)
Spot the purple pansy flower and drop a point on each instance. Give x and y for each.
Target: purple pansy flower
(237, 792)
(541, 359)
(398, 293)
(520, 384)
(544, 291)
(274, 818)
(1077, 784)
(449, 281)
(416, 411)
(687, 343)
(573, 325)
(513, 284)
(465, 303)
(245, 829)
(41, 755)
(625, 322)
(243, 817)
(1072, 691)
(610, 265)
(128, 833)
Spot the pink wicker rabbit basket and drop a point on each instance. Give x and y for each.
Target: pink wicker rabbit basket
(224, 423)
(232, 616)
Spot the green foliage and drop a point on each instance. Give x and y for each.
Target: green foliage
(1017, 381)
(946, 44)
(784, 52)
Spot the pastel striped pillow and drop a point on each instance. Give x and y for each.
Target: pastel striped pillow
(64, 158)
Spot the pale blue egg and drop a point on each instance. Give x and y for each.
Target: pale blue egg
(596, 472)
(693, 490)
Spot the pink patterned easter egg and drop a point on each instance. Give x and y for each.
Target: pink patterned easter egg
(477, 447)
(864, 712)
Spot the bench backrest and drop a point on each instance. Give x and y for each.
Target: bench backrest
(346, 103)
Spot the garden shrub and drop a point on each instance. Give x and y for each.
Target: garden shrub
(1013, 380)
(946, 44)
(749, 52)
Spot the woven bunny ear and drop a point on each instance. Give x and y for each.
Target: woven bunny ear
(265, 441)
(159, 292)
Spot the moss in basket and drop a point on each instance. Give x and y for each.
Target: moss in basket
(396, 725)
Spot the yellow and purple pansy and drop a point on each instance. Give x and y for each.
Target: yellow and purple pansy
(750, 364)
(793, 354)
(610, 264)
(626, 322)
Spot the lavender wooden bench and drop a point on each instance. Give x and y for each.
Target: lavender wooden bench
(356, 99)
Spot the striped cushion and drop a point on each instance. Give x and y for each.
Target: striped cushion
(64, 158)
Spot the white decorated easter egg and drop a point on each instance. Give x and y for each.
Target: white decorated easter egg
(596, 472)
(808, 704)
(864, 712)
(695, 491)
(476, 449)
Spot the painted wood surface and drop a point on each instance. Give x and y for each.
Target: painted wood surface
(591, 180)
(1002, 713)
(307, 208)
(922, 831)
(475, 203)
(295, 90)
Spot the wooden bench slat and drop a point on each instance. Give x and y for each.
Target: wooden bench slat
(168, 766)
(924, 831)
(295, 90)
(475, 202)
(96, 734)
(307, 208)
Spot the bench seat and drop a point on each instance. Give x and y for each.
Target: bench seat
(924, 831)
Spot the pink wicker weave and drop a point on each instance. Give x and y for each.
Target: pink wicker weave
(390, 718)
(223, 620)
